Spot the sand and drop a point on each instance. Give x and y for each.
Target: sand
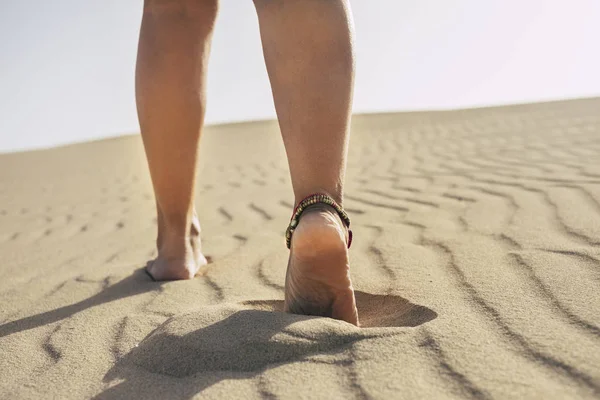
(476, 258)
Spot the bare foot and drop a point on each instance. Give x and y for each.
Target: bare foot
(318, 273)
(179, 257)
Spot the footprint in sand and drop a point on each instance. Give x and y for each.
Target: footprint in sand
(252, 335)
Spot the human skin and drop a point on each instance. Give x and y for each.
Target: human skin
(308, 51)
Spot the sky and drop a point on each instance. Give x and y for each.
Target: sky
(67, 66)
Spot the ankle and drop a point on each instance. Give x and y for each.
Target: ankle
(179, 223)
(175, 231)
(335, 194)
(326, 205)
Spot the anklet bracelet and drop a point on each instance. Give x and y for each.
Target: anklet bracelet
(312, 200)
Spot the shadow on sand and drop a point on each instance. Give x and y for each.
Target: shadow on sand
(191, 352)
(136, 283)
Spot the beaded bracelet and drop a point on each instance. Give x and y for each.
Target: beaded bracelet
(309, 201)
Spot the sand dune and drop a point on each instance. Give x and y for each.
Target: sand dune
(476, 259)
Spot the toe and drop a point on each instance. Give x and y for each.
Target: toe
(147, 271)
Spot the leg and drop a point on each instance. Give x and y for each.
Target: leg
(170, 93)
(307, 46)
